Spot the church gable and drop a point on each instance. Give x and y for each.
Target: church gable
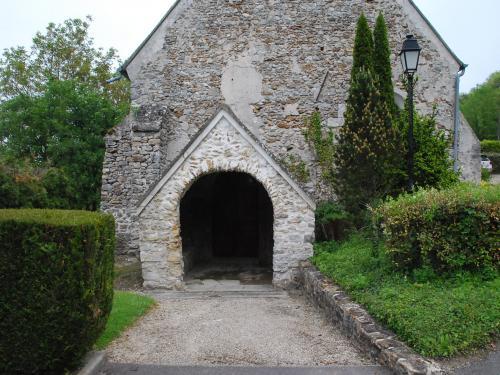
(155, 40)
(224, 144)
(271, 64)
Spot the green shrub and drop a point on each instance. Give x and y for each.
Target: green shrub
(56, 287)
(437, 315)
(485, 175)
(447, 230)
(490, 146)
(333, 222)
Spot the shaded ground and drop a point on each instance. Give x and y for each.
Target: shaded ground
(128, 275)
(255, 328)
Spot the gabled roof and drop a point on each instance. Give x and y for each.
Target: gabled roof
(123, 68)
(224, 112)
(461, 64)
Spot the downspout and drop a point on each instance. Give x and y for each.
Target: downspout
(114, 79)
(456, 129)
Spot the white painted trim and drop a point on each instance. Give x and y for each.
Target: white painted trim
(200, 138)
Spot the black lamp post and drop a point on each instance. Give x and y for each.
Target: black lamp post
(410, 56)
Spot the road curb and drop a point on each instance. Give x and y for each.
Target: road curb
(92, 364)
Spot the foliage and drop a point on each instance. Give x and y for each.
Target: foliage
(453, 229)
(366, 152)
(333, 221)
(490, 146)
(363, 48)
(367, 147)
(481, 108)
(56, 287)
(485, 175)
(23, 186)
(65, 52)
(330, 211)
(297, 167)
(433, 166)
(322, 144)
(56, 107)
(382, 64)
(127, 308)
(437, 316)
(63, 128)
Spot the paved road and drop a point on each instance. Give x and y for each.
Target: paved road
(485, 366)
(261, 327)
(495, 179)
(116, 369)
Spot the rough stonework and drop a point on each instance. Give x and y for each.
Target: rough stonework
(272, 63)
(160, 240)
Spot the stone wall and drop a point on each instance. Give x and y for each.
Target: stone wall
(224, 146)
(273, 62)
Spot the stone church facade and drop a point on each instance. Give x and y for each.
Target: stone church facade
(220, 92)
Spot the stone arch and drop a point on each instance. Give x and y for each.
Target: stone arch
(214, 233)
(222, 146)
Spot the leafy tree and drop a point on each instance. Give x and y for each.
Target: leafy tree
(62, 128)
(382, 64)
(56, 108)
(363, 48)
(20, 185)
(481, 108)
(433, 166)
(65, 52)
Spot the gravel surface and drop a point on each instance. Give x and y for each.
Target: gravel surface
(246, 331)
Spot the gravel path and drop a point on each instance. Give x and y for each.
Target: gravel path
(226, 330)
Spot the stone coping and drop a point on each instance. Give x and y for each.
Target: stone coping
(382, 345)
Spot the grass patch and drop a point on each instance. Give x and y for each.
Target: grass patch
(438, 316)
(127, 308)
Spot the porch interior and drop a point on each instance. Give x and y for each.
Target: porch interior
(227, 231)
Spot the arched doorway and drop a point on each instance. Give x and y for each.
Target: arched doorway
(227, 229)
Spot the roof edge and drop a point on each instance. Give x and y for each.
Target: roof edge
(123, 68)
(461, 64)
(222, 111)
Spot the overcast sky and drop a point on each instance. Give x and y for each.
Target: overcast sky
(469, 27)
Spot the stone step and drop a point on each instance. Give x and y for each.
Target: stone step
(204, 294)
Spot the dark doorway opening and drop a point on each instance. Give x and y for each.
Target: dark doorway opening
(227, 229)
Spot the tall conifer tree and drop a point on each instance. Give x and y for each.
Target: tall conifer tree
(382, 64)
(366, 149)
(363, 47)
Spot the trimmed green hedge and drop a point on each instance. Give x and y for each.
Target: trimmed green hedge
(490, 146)
(448, 230)
(56, 287)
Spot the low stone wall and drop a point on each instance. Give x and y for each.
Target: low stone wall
(381, 344)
